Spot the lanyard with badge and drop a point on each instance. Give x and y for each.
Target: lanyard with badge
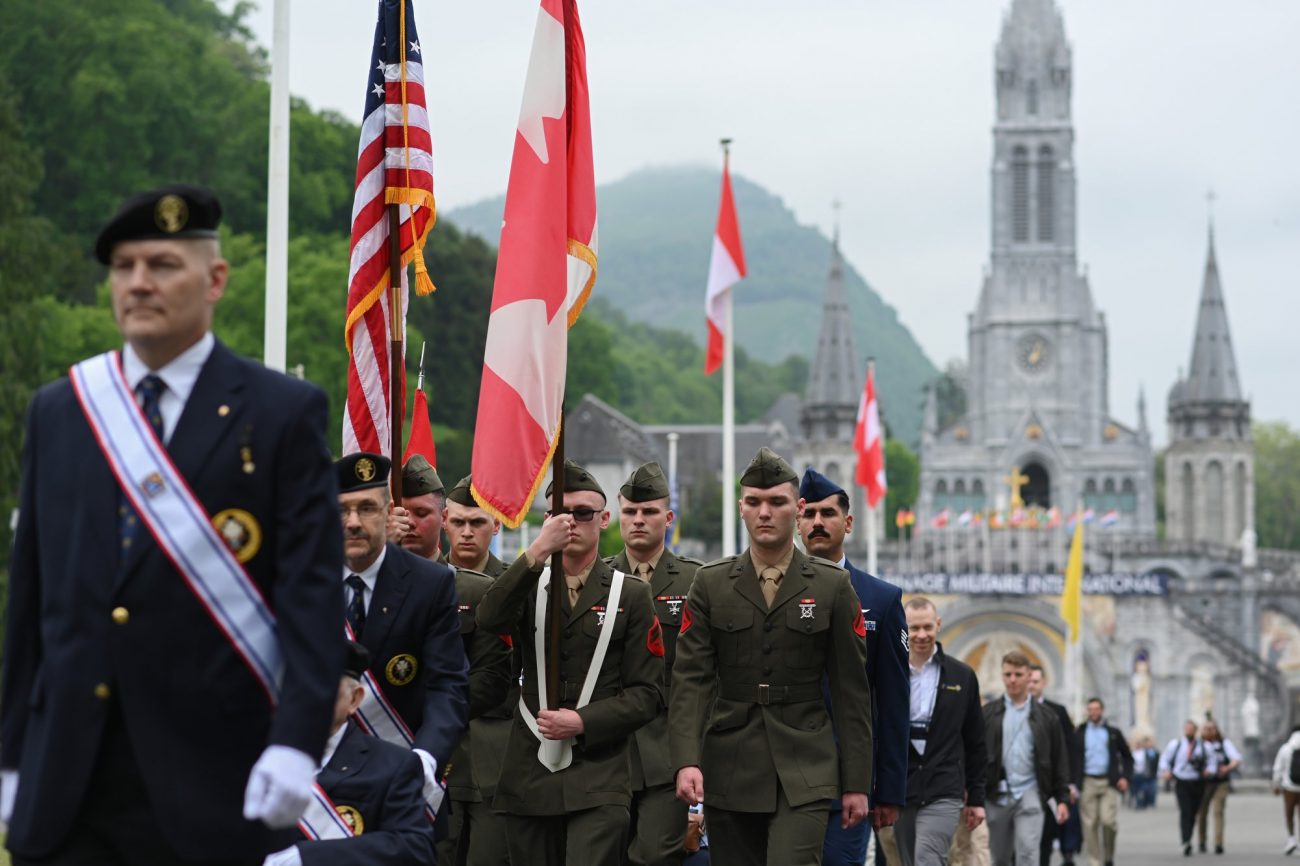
(1004, 787)
(920, 731)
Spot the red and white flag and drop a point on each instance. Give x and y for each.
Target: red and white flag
(394, 166)
(546, 266)
(869, 443)
(726, 268)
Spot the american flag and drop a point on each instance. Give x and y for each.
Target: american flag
(394, 166)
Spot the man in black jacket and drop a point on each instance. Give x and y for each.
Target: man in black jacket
(1104, 767)
(1069, 834)
(945, 757)
(1027, 766)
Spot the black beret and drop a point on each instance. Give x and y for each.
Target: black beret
(646, 484)
(767, 469)
(362, 471)
(357, 662)
(461, 495)
(575, 478)
(815, 486)
(419, 477)
(176, 211)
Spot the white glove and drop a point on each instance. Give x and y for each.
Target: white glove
(288, 857)
(8, 791)
(433, 790)
(279, 787)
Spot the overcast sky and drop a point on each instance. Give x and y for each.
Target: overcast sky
(889, 107)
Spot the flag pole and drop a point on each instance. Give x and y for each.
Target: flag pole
(277, 196)
(728, 409)
(554, 612)
(397, 405)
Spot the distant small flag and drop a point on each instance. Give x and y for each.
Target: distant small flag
(977, 518)
(1018, 517)
(965, 518)
(1054, 518)
(997, 520)
(940, 520)
(900, 518)
(1089, 516)
(1110, 518)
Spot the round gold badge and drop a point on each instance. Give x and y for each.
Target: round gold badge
(365, 469)
(171, 213)
(352, 818)
(240, 531)
(401, 669)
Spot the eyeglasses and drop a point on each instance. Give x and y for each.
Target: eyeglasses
(366, 511)
(582, 515)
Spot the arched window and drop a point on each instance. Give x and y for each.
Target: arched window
(1128, 500)
(1090, 494)
(1046, 194)
(940, 496)
(1189, 502)
(977, 495)
(1109, 501)
(1020, 194)
(1214, 502)
(959, 501)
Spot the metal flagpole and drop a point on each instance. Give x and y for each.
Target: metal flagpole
(274, 329)
(728, 411)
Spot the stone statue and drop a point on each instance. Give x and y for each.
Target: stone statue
(1249, 551)
(1140, 683)
(1250, 717)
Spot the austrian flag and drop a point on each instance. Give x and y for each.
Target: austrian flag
(726, 267)
(546, 266)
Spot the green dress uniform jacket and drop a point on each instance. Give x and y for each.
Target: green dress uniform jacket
(769, 723)
(669, 585)
(628, 691)
(489, 679)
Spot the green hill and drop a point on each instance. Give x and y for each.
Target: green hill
(655, 230)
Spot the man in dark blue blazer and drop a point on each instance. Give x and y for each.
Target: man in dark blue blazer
(823, 524)
(376, 787)
(132, 729)
(402, 608)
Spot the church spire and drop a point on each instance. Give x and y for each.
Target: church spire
(834, 386)
(1212, 376)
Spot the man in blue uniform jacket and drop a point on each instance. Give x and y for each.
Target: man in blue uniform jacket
(823, 524)
(402, 608)
(376, 787)
(133, 729)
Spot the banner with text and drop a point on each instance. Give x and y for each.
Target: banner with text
(936, 583)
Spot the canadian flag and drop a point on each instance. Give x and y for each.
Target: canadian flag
(546, 266)
(869, 443)
(726, 268)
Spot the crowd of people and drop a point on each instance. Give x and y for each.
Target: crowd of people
(226, 647)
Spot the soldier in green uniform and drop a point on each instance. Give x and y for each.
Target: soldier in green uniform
(658, 826)
(759, 633)
(489, 666)
(574, 807)
(472, 780)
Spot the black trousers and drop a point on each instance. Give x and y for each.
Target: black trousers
(591, 837)
(1189, 795)
(116, 826)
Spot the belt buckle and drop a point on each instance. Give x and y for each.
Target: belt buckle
(764, 697)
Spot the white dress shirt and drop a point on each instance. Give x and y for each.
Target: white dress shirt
(179, 375)
(331, 745)
(368, 577)
(924, 683)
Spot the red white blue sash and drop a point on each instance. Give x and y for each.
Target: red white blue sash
(322, 821)
(176, 518)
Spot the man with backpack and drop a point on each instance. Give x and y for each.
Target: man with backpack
(1185, 760)
(1286, 781)
(1223, 759)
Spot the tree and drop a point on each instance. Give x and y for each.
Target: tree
(1277, 484)
(950, 393)
(903, 475)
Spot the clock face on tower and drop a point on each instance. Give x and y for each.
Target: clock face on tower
(1033, 352)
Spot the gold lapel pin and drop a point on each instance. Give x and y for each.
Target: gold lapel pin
(223, 410)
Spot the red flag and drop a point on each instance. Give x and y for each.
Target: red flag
(726, 267)
(869, 443)
(546, 266)
(394, 166)
(421, 441)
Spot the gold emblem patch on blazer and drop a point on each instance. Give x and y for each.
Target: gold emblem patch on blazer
(352, 817)
(401, 669)
(171, 213)
(365, 469)
(241, 532)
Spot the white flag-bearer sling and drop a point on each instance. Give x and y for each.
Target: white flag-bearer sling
(176, 518)
(322, 821)
(555, 755)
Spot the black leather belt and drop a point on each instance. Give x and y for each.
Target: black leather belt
(763, 693)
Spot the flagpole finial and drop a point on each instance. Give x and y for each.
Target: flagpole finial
(419, 382)
(726, 148)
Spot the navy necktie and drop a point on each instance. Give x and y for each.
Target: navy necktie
(150, 390)
(357, 606)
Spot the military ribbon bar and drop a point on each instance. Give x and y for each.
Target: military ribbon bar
(176, 518)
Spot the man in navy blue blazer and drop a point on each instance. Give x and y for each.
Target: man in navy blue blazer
(402, 608)
(823, 524)
(132, 728)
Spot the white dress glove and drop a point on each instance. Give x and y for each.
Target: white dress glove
(279, 787)
(288, 857)
(8, 790)
(433, 790)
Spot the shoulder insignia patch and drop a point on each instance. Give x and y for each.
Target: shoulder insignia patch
(686, 618)
(859, 625)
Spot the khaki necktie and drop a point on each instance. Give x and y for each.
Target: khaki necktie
(575, 587)
(768, 581)
(643, 571)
